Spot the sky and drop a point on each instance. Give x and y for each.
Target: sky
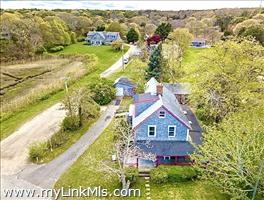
(130, 5)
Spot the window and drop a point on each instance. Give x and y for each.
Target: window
(152, 131)
(161, 114)
(172, 131)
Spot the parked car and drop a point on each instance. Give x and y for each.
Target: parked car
(126, 59)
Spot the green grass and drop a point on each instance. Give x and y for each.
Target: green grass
(191, 63)
(106, 57)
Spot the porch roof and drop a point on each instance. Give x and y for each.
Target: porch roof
(166, 148)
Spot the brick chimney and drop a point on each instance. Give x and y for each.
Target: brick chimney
(160, 89)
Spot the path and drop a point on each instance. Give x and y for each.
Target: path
(14, 149)
(118, 64)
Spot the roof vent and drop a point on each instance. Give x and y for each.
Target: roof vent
(184, 112)
(190, 122)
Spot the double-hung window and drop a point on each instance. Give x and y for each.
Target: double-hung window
(151, 131)
(171, 131)
(162, 114)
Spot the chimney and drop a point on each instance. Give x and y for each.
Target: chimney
(160, 89)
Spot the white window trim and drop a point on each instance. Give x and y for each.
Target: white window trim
(166, 157)
(164, 114)
(174, 130)
(187, 135)
(155, 130)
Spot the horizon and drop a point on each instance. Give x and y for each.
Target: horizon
(130, 5)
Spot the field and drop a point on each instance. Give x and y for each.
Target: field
(105, 56)
(23, 83)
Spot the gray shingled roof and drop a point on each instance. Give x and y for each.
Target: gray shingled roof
(166, 148)
(124, 80)
(171, 103)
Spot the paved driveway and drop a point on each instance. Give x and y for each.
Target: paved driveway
(118, 64)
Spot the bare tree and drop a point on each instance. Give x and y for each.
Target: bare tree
(124, 148)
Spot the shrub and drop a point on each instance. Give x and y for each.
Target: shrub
(117, 45)
(80, 39)
(172, 174)
(57, 140)
(71, 123)
(181, 174)
(103, 92)
(159, 175)
(56, 49)
(37, 151)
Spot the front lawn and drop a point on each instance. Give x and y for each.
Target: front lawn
(106, 57)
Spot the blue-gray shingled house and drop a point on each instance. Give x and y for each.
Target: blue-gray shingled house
(124, 87)
(102, 37)
(199, 43)
(166, 126)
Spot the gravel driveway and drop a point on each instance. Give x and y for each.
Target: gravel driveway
(14, 149)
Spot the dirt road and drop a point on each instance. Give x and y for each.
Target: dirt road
(14, 149)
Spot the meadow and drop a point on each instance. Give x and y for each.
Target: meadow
(105, 57)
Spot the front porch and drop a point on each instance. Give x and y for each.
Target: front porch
(173, 160)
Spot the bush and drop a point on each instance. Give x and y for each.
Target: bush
(56, 49)
(103, 92)
(71, 123)
(37, 151)
(159, 175)
(172, 174)
(181, 174)
(117, 45)
(80, 39)
(57, 140)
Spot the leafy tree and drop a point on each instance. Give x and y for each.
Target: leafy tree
(114, 27)
(100, 28)
(172, 69)
(102, 92)
(132, 36)
(182, 37)
(256, 32)
(80, 103)
(223, 22)
(155, 64)
(232, 81)
(163, 30)
(150, 29)
(231, 154)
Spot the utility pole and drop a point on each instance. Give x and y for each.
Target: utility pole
(122, 49)
(66, 84)
(67, 91)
